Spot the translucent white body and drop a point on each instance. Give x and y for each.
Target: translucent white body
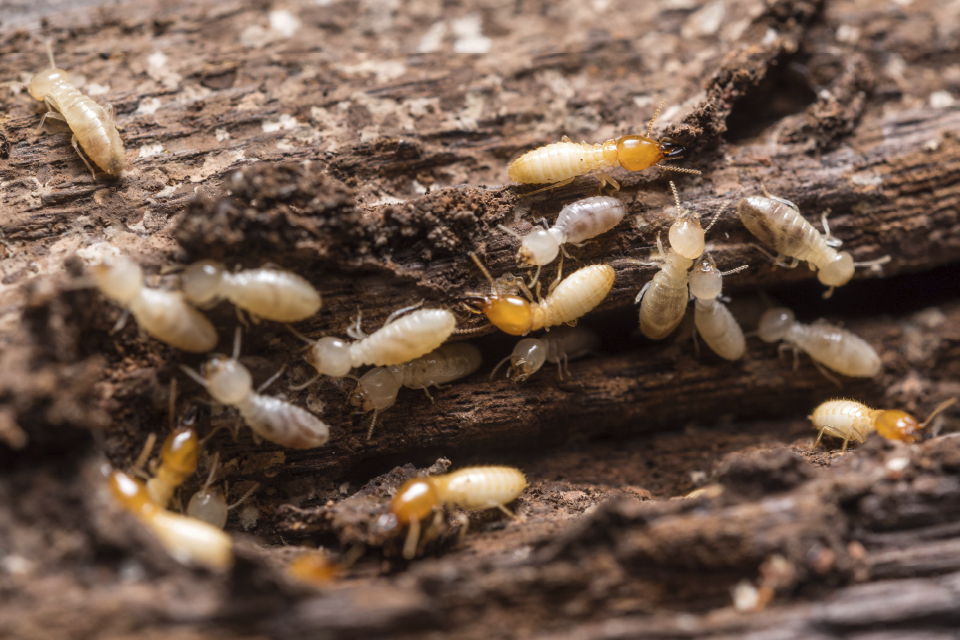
(92, 125)
(272, 294)
(400, 341)
(846, 419)
(562, 161)
(714, 322)
(378, 388)
(574, 297)
(577, 222)
(480, 487)
(209, 505)
(778, 224)
(558, 346)
(831, 346)
(273, 419)
(165, 315)
(663, 300)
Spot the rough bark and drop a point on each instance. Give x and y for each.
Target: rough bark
(363, 152)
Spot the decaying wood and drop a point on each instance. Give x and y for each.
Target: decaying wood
(357, 145)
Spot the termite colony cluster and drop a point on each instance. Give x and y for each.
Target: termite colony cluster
(410, 349)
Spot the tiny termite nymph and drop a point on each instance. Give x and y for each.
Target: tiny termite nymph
(93, 126)
(564, 304)
(578, 222)
(273, 419)
(828, 345)
(399, 340)
(559, 163)
(777, 223)
(712, 319)
(851, 420)
(663, 300)
(188, 540)
(210, 504)
(165, 315)
(377, 389)
(268, 293)
(474, 488)
(559, 347)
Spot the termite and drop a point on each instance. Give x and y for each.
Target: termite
(663, 300)
(578, 222)
(269, 293)
(564, 304)
(178, 461)
(851, 420)
(777, 223)
(397, 341)
(826, 344)
(712, 319)
(187, 539)
(94, 129)
(273, 419)
(559, 347)
(209, 503)
(377, 389)
(165, 315)
(474, 488)
(559, 163)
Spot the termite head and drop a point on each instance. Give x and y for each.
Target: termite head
(527, 358)
(510, 314)
(209, 505)
(686, 234)
(899, 425)
(228, 381)
(376, 389)
(181, 450)
(42, 83)
(314, 568)
(705, 280)
(775, 324)
(538, 247)
(415, 500)
(131, 494)
(330, 357)
(636, 153)
(120, 280)
(838, 272)
(201, 282)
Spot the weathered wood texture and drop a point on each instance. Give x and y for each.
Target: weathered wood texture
(372, 142)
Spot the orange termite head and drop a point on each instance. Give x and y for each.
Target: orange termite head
(181, 450)
(131, 494)
(899, 425)
(510, 314)
(415, 500)
(315, 568)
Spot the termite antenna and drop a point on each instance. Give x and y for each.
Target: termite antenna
(940, 407)
(373, 423)
(654, 118)
(486, 273)
(301, 387)
(53, 65)
(510, 231)
(214, 467)
(676, 198)
(679, 169)
(715, 218)
(243, 498)
(199, 379)
(732, 271)
(874, 263)
(497, 368)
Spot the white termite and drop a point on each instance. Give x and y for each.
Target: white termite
(578, 222)
(266, 292)
(273, 419)
(663, 300)
(851, 420)
(712, 319)
(377, 389)
(559, 347)
(566, 301)
(209, 504)
(828, 345)
(165, 315)
(397, 341)
(93, 126)
(777, 223)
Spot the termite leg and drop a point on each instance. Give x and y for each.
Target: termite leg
(121, 322)
(778, 198)
(605, 179)
(464, 521)
(553, 285)
(145, 452)
(399, 312)
(846, 441)
(355, 331)
(301, 387)
(509, 513)
(826, 374)
(237, 335)
(555, 185)
(642, 291)
(242, 317)
(430, 397)
(828, 293)
(536, 278)
(249, 492)
(820, 436)
(413, 535)
(827, 236)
